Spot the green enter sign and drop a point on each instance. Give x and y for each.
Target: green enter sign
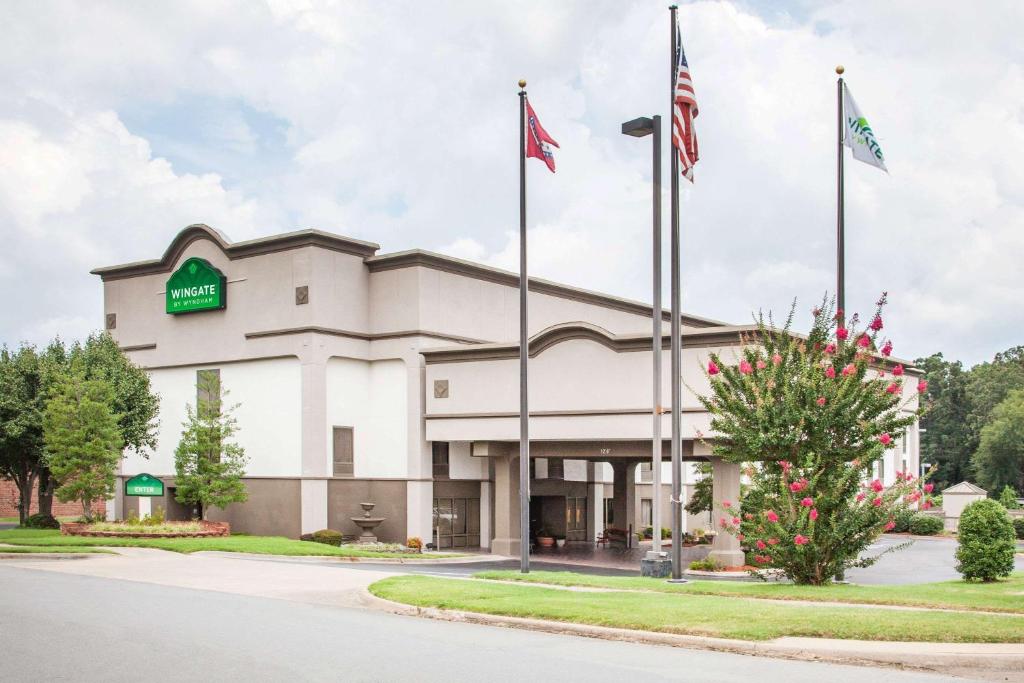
(196, 286)
(143, 485)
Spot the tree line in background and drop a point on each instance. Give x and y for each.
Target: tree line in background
(973, 425)
(68, 414)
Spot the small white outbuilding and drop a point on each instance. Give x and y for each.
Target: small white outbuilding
(956, 498)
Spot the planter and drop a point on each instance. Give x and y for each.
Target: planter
(209, 529)
(545, 541)
(560, 542)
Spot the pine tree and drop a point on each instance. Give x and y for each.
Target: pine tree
(83, 442)
(208, 464)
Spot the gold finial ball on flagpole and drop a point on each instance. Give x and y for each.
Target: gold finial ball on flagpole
(522, 82)
(840, 69)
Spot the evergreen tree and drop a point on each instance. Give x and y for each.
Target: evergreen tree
(999, 460)
(22, 400)
(83, 443)
(814, 413)
(208, 464)
(946, 434)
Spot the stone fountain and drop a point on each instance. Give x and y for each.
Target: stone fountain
(367, 523)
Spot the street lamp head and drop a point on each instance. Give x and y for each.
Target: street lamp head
(638, 128)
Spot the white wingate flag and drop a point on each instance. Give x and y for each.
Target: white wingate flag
(858, 134)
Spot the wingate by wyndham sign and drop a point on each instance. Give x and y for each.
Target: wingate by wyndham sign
(196, 286)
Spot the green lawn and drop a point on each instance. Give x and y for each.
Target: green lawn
(49, 549)
(9, 520)
(1002, 596)
(707, 615)
(262, 545)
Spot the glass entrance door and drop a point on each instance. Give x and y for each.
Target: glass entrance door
(456, 522)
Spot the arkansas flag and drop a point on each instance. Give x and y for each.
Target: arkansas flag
(538, 142)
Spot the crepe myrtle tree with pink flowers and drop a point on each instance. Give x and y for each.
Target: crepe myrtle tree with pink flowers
(810, 415)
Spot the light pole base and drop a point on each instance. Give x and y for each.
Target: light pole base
(657, 568)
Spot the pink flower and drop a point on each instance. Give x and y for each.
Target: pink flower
(773, 541)
(885, 439)
(893, 388)
(776, 359)
(735, 521)
(860, 497)
(830, 348)
(928, 488)
(821, 401)
(712, 368)
(745, 367)
(922, 386)
(785, 465)
(740, 537)
(890, 525)
(800, 540)
(814, 514)
(748, 516)
(887, 348)
(795, 487)
(849, 370)
(877, 502)
(807, 502)
(864, 341)
(842, 333)
(761, 545)
(876, 323)
(881, 374)
(722, 523)
(761, 365)
(897, 371)
(772, 517)
(839, 314)
(877, 486)
(925, 505)
(726, 504)
(830, 372)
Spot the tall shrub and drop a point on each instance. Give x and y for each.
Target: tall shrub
(83, 443)
(987, 542)
(813, 413)
(208, 463)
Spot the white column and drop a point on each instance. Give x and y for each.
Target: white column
(485, 514)
(313, 505)
(145, 506)
(419, 509)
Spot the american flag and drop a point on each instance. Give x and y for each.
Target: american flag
(684, 111)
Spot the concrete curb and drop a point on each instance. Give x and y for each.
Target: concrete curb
(1004, 662)
(49, 556)
(351, 560)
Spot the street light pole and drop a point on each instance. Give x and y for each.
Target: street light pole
(642, 127)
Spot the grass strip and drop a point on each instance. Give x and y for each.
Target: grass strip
(1001, 596)
(705, 615)
(48, 549)
(260, 545)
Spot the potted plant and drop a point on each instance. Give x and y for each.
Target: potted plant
(560, 542)
(545, 539)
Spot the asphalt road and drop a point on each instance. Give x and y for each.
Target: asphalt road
(66, 627)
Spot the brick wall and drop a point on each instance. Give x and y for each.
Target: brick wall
(9, 503)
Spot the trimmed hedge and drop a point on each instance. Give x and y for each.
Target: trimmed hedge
(1018, 526)
(327, 537)
(903, 518)
(987, 542)
(925, 525)
(39, 521)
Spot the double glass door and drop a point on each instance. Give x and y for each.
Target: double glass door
(456, 522)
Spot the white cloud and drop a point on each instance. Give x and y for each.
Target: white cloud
(401, 127)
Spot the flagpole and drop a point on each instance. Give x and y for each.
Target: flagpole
(524, 409)
(840, 204)
(677, 463)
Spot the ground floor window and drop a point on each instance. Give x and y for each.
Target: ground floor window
(609, 513)
(456, 522)
(646, 512)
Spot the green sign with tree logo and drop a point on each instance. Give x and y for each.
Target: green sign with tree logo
(196, 286)
(143, 485)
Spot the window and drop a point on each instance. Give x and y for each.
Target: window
(456, 522)
(646, 512)
(343, 452)
(440, 458)
(556, 468)
(646, 473)
(208, 392)
(881, 469)
(609, 512)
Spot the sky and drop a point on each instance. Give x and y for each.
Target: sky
(123, 122)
